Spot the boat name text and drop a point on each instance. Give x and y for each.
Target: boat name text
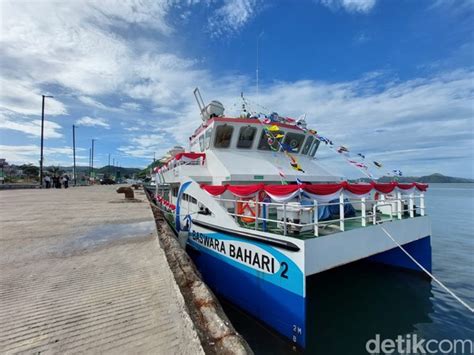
(243, 253)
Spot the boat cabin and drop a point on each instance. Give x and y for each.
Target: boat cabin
(248, 134)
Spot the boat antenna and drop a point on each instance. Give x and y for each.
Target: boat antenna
(244, 108)
(258, 57)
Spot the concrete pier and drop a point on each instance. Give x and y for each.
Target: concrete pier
(82, 271)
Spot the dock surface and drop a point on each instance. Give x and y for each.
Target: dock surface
(82, 272)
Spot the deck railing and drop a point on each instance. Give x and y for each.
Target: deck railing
(175, 167)
(372, 211)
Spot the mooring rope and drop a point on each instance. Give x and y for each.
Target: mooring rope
(427, 272)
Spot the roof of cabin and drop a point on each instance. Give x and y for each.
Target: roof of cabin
(241, 120)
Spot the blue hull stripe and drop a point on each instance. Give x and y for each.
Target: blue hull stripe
(280, 309)
(420, 249)
(182, 188)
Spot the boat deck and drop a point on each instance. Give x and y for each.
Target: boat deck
(306, 231)
(324, 228)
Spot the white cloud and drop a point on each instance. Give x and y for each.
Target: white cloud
(130, 106)
(79, 47)
(93, 122)
(22, 97)
(31, 128)
(89, 101)
(71, 44)
(406, 124)
(360, 6)
(20, 154)
(145, 145)
(232, 16)
(133, 129)
(145, 13)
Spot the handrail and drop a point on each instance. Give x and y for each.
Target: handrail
(398, 208)
(199, 161)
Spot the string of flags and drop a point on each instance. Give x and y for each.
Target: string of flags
(274, 136)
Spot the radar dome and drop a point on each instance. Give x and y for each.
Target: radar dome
(214, 109)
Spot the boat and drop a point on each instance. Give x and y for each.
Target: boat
(259, 213)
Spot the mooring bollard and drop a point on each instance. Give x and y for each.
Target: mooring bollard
(127, 191)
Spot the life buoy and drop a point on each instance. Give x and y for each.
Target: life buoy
(247, 209)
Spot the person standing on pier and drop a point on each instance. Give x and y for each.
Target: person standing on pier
(47, 181)
(65, 180)
(56, 182)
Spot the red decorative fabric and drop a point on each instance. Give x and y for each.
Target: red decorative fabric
(405, 186)
(322, 189)
(384, 188)
(421, 187)
(317, 189)
(357, 189)
(214, 190)
(191, 155)
(245, 190)
(280, 190)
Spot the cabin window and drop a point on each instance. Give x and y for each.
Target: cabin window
(307, 145)
(246, 137)
(201, 142)
(208, 138)
(174, 191)
(223, 136)
(265, 145)
(314, 148)
(294, 141)
(186, 197)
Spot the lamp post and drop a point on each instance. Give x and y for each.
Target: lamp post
(42, 139)
(92, 160)
(74, 153)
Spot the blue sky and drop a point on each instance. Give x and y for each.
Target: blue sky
(392, 79)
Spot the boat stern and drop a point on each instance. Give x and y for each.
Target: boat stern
(373, 244)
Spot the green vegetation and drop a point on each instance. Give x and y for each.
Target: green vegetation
(143, 173)
(30, 171)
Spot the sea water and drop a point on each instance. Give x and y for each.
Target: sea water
(350, 305)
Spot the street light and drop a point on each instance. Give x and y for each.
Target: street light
(42, 139)
(92, 161)
(74, 153)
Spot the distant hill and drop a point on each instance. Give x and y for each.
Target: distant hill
(112, 169)
(429, 179)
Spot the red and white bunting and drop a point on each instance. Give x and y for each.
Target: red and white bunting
(319, 192)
